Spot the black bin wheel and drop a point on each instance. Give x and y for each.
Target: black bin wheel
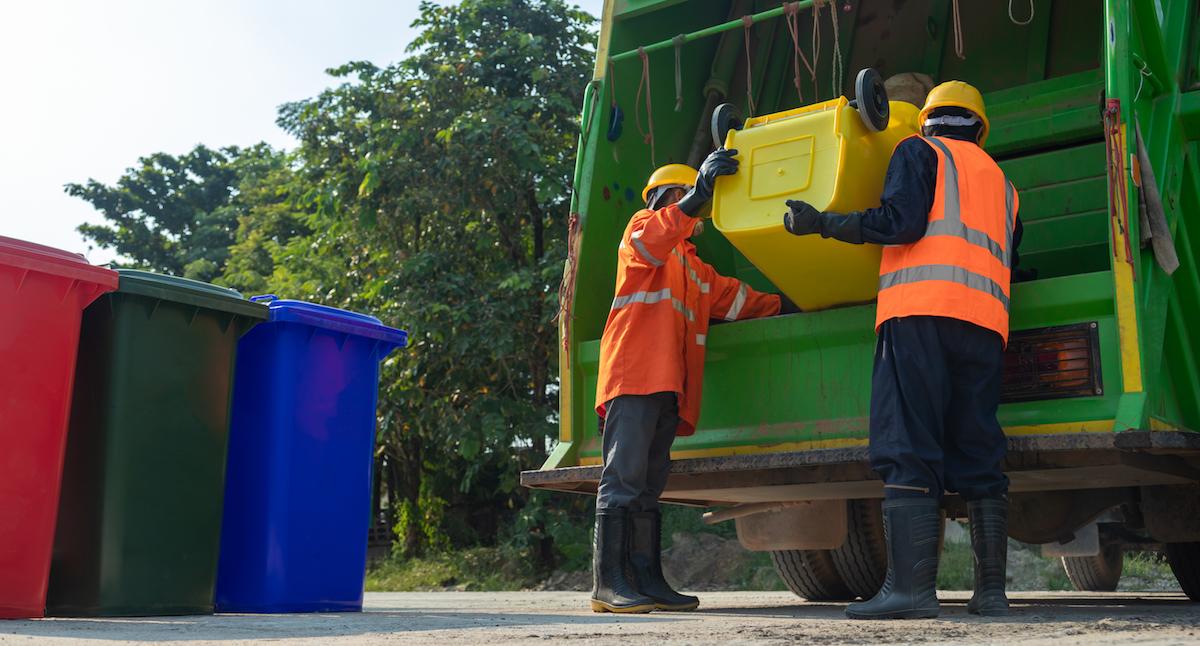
(870, 98)
(725, 117)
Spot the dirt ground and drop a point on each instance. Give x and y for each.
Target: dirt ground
(1060, 619)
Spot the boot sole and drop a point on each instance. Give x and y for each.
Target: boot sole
(600, 606)
(901, 614)
(993, 612)
(680, 608)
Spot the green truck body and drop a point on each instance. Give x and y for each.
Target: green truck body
(1102, 383)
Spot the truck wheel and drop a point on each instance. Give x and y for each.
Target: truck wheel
(810, 574)
(1184, 559)
(1099, 573)
(862, 559)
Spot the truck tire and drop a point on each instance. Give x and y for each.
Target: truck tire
(862, 560)
(1099, 573)
(810, 574)
(1184, 559)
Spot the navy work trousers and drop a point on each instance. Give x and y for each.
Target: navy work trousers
(638, 433)
(934, 394)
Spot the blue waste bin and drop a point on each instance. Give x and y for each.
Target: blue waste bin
(301, 449)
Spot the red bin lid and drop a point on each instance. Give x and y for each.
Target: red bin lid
(48, 260)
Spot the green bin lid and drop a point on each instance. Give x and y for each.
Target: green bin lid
(188, 292)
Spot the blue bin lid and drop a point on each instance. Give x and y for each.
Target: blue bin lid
(331, 318)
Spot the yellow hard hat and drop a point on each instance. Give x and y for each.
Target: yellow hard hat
(671, 174)
(956, 94)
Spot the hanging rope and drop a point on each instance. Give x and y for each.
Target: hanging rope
(816, 46)
(958, 37)
(838, 71)
(747, 23)
(566, 289)
(1143, 74)
(1014, 18)
(648, 135)
(792, 20)
(679, 41)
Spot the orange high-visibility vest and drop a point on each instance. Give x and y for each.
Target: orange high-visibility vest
(961, 267)
(655, 337)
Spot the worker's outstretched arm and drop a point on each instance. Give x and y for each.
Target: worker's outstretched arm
(902, 215)
(734, 300)
(651, 235)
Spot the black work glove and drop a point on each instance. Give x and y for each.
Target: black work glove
(802, 219)
(786, 306)
(719, 162)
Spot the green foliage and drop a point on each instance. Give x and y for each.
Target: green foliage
(956, 569)
(482, 569)
(176, 214)
(433, 194)
(688, 520)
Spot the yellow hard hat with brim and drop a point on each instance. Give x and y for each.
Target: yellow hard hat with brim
(672, 175)
(956, 94)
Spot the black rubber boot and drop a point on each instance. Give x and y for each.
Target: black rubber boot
(612, 589)
(645, 555)
(911, 528)
(989, 542)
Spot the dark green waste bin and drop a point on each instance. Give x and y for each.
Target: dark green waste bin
(140, 514)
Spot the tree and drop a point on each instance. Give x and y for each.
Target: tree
(433, 194)
(174, 214)
(436, 191)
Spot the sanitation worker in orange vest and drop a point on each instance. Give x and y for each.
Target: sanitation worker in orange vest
(651, 371)
(949, 217)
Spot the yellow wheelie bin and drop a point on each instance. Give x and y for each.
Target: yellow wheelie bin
(833, 155)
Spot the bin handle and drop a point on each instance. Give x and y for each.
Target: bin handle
(265, 298)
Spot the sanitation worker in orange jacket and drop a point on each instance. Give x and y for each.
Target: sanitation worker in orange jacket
(651, 371)
(949, 217)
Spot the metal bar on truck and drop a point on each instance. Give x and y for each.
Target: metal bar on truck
(712, 31)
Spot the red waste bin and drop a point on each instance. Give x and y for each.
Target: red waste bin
(42, 295)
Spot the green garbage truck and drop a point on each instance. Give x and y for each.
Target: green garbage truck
(1095, 117)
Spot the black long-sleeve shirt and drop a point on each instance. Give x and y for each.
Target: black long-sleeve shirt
(903, 213)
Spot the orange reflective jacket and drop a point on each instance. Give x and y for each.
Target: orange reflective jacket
(961, 267)
(655, 335)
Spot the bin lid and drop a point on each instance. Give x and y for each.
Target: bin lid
(188, 291)
(48, 260)
(331, 318)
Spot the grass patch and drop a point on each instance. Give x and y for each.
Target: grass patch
(1146, 571)
(956, 567)
(483, 569)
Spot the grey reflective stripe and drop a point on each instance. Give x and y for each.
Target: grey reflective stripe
(973, 236)
(947, 273)
(641, 249)
(641, 297)
(952, 210)
(650, 298)
(704, 287)
(738, 302)
(951, 121)
(951, 223)
(683, 309)
(701, 339)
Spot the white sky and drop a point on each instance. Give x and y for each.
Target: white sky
(91, 85)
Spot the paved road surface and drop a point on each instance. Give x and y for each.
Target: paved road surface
(725, 618)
